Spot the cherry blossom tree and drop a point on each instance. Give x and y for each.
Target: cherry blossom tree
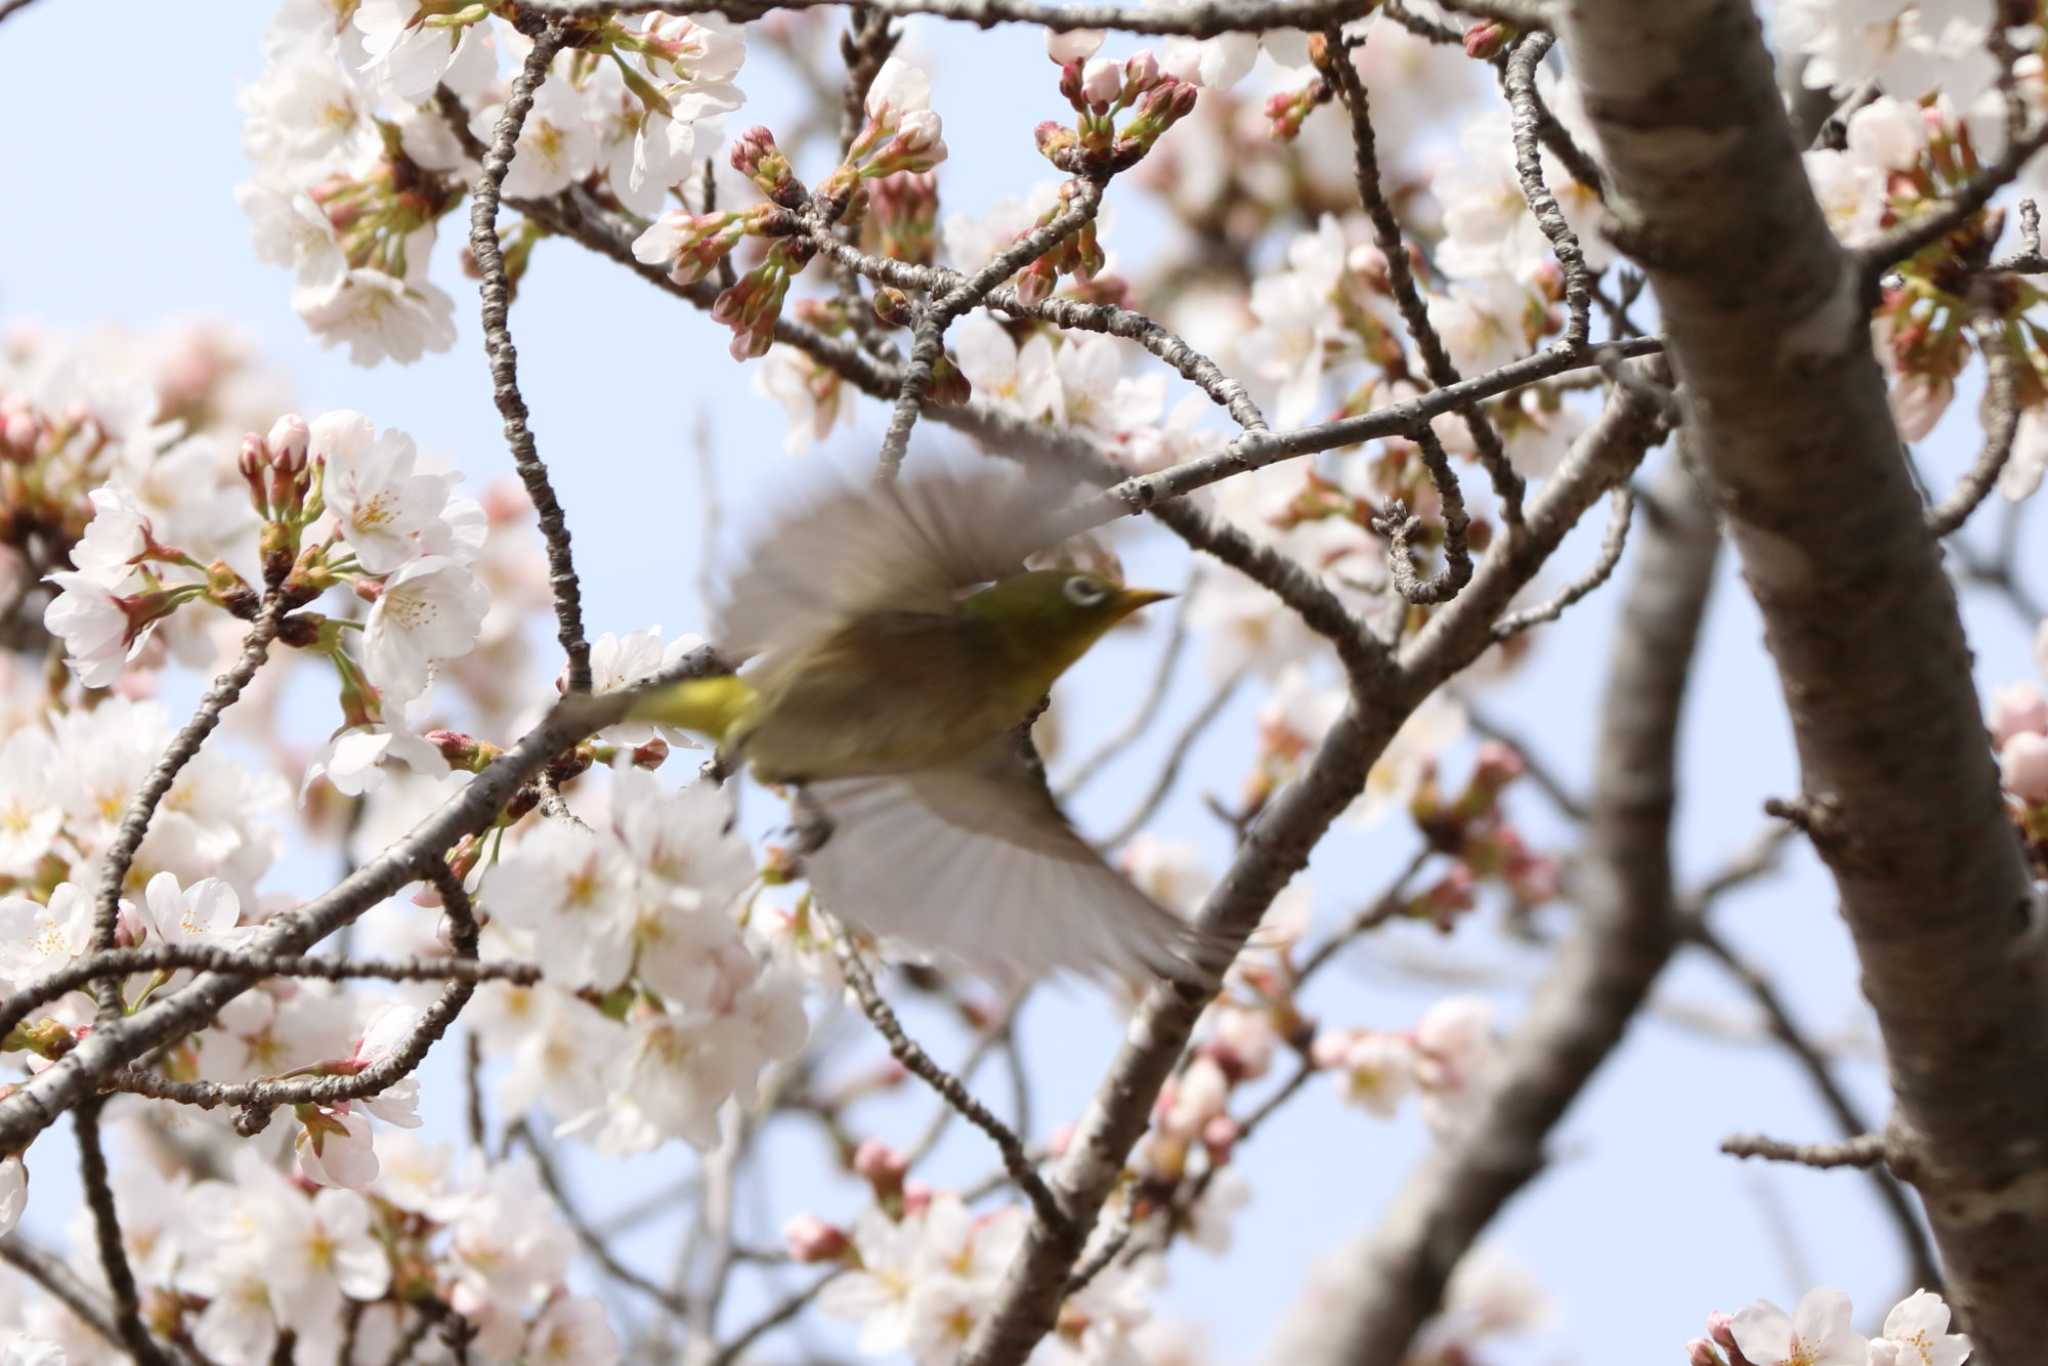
(1414, 327)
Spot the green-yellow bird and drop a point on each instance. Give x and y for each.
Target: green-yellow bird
(896, 646)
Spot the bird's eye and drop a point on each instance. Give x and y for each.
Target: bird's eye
(1083, 591)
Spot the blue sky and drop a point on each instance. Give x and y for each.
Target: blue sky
(124, 156)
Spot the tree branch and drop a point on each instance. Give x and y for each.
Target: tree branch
(1386, 230)
(1274, 848)
(504, 357)
(1864, 1150)
(1624, 934)
(1758, 297)
(1201, 19)
(120, 855)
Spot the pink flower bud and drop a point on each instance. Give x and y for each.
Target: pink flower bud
(1498, 764)
(1721, 1328)
(1700, 1352)
(21, 430)
(289, 437)
(880, 1165)
(1219, 1135)
(1102, 81)
(2016, 710)
(1486, 39)
(2023, 766)
(1141, 73)
(917, 1196)
(1073, 45)
(811, 1239)
(1035, 282)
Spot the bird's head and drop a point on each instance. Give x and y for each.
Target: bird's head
(1052, 616)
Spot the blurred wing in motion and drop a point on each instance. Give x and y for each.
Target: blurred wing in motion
(976, 862)
(861, 546)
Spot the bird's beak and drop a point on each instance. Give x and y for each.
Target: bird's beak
(1130, 600)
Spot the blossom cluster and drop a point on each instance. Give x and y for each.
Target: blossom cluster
(357, 163)
(1898, 159)
(1820, 1333)
(232, 1264)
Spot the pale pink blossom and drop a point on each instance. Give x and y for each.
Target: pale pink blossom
(2023, 766)
(1816, 1334)
(431, 610)
(1072, 45)
(2017, 709)
(1916, 1334)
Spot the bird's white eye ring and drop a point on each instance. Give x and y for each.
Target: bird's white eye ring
(1083, 591)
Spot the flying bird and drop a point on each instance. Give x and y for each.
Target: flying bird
(896, 648)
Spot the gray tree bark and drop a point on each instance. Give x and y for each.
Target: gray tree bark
(1627, 927)
(1767, 322)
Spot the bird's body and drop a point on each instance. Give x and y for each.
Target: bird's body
(899, 650)
(892, 691)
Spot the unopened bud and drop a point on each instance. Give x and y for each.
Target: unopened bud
(755, 156)
(1070, 86)
(893, 306)
(811, 1239)
(1700, 1352)
(1055, 140)
(1721, 1328)
(1487, 39)
(20, 431)
(1035, 282)
(653, 754)
(882, 1166)
(1141, 73)
(917, 1197)
(1102, 81)
(288, 440)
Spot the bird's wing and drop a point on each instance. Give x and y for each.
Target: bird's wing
(859, 546)
(976, 862)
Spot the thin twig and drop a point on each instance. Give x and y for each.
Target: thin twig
(1821, 1073)
(782, 1313)
(260, 1097)
(595, 1244)
(1518, 80)
(120, 856)
(106, 1225)
(1612, 543)
(1399, 528)
(1376, 912)
(1864, 1150)
(1436, 360)
(928, 336)
(1148, 707)
(1199, 19)
(1537, 769)
(119, 963)
(991, 1038)
(919, 1063)
(2001, 425)
(62, 1284)
(1176, 758)
(504, 357)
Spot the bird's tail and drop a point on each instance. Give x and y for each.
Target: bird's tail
(708, 706)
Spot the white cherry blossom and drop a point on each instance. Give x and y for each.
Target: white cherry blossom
(431, 610)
